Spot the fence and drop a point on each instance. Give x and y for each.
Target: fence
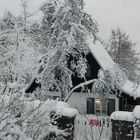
(92, 127)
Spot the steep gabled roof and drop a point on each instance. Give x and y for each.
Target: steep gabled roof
(105, 62)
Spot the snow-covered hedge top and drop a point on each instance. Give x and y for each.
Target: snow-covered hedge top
(64, 109)
(136, 112)
(126, 116)
(33, 115)
(122, 116)
(59, 107)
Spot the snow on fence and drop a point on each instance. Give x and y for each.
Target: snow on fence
(91, 127)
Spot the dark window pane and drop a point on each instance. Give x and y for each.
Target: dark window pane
(90, 105)
(111, 106)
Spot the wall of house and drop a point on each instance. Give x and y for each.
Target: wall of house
(79, 101)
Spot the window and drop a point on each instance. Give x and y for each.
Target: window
(110, 106)
(90, 106)
(100, 106)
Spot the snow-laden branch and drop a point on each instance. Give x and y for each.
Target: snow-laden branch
(78, 86)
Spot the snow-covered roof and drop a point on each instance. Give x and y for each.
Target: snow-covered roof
(104, 60)
(122, 116)
(100, 54)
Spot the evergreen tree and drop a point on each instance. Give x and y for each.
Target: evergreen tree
(123, 53)
(16, 51)
(65, 27)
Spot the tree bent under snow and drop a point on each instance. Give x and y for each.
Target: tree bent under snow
(65, 28)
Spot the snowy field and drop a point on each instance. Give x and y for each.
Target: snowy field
(92, 127)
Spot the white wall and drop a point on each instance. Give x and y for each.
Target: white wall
(78, 100)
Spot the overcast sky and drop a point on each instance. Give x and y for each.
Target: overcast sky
(108, 13)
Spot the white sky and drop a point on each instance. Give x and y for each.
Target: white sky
(108, 13)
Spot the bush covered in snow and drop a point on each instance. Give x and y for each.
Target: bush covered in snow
(22, 118)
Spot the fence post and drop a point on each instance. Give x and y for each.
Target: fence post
(122, 125)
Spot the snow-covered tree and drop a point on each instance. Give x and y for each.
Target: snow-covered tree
(109, 81)
(123, 52)
(17, 55)
(26, 14)
(63, 38)
(61, 44)
(64, 27)
(20, 117)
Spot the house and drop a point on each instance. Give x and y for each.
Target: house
(92, 103)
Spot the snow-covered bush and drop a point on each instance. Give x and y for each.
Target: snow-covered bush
(25, 118)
